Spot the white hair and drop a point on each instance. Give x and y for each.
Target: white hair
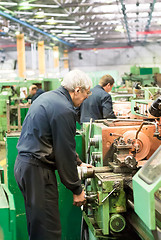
(76, 78)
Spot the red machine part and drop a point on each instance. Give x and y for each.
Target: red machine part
(141, 144)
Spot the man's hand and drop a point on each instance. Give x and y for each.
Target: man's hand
(79, 200)
(86, 165)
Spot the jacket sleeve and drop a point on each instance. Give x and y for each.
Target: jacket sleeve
(63, 132)
(107, 108)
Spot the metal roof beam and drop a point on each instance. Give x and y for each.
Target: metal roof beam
(125, 19)
(150, 18)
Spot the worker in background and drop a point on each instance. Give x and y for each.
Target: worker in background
(47, 143)
(99, 104)
(34, 92)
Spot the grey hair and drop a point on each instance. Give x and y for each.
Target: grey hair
(76, 78)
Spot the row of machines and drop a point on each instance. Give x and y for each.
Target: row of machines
(11, 94)
(123, 188)
(140, 83)
(119, 200)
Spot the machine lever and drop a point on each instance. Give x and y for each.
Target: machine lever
(108, 195)
(116, 186)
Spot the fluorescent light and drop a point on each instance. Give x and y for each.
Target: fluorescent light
(51, 21)
(70, 38)
(46, 26)
(74, 31)
(54, 21)
(45, 14)
(55, 31)
(38, 5)
(67, 32)
(24, 13)
(70, 27)
(8, 3)
(56, 14)
(141, 14)
(74, 35)
(119, 28)
(80, 35)
(24, 4)
(40, 14)
(62, 35)
(36, 20)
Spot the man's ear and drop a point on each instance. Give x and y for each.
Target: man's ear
(77, 89)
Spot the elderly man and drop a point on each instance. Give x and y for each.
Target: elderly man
(47, 143)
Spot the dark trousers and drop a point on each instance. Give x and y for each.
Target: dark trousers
(39, 188)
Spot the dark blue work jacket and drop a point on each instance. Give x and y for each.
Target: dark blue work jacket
(38, 93)
(48, 134)
(97, 106)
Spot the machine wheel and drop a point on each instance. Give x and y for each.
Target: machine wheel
(84, 230)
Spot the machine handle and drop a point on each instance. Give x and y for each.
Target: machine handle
(116, 186)
(108, 195)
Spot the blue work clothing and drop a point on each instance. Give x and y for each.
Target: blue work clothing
(97, 106)
(37, 94)
(48, 139)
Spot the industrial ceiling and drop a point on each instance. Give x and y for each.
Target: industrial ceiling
(82, 23)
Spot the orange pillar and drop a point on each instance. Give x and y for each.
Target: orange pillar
(21, 55)
(66, 64)
(56, 57)
(41, 54)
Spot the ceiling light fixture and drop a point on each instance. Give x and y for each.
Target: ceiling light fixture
(54, 21)
(45, 14)
(24, 4)
(80, 35)
(55, 31)
(43, 6)
(77, 38)
(51, 21)
(8, 3)
(119, 28)
(40, 14)
(70, 27)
